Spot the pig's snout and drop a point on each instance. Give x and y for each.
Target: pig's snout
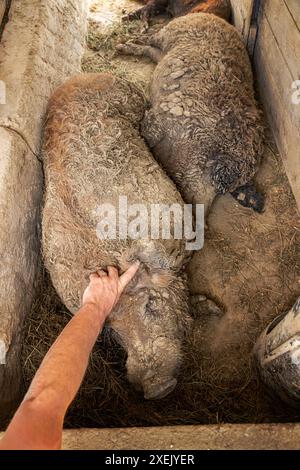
(154, 387)
(153, 391)
(153, 369)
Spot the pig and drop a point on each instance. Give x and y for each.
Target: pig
(93, 154)
(204, 125)
(221, 8)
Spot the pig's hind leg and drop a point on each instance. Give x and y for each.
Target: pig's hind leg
(140, 51)
(201, 306)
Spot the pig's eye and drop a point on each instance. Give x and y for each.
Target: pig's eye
(152, 307)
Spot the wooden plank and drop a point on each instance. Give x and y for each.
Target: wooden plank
(242, 16)
(273, 57)
(275, 84)
(294, 8)
(2, 9)
(254, 22)
(206, 437)
(286, 33)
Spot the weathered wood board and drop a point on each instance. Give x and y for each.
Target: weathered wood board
(2, 9)
(294, 8)
(242, 10)
(285, 33)
(277, 63)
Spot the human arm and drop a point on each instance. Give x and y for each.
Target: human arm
(38, 421)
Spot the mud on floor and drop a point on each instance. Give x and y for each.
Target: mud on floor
(249, 265)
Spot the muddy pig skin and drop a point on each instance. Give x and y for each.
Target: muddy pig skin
(204, 125)
(93, 153)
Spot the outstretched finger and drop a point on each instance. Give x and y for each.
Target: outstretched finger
(113, 273)
(126, 277)
(101, 273)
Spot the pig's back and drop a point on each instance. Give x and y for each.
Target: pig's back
(93, 154)
(205, 57)
(93, 146)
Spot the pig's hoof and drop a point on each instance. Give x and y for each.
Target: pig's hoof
(200, 305)
(127, 17)
(249, 196)
(125, 49)
(120, 47)
(134, 15)
(144, 13)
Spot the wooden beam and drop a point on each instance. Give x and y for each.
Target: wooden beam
(242, 11)
(275, 79)
(285, 32)
(2, 9)
(208, 437)
(294, 8)
(253, 30)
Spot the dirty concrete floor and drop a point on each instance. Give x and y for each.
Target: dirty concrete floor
(250, 265)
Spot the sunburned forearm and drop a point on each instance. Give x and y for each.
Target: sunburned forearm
(64, 366)
(39, 420)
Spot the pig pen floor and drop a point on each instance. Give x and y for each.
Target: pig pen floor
(249, 266)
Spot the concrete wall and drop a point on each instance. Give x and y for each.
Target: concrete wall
(41, 45)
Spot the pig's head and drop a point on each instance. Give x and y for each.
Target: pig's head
(151, 321)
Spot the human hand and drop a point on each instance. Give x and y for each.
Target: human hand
(105, 289)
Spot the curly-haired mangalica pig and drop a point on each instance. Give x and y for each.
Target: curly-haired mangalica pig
(204, 125)
(152, 8)
(93, 154)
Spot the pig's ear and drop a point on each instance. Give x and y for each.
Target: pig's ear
(145, 278)
(154, 270)
(152, 255)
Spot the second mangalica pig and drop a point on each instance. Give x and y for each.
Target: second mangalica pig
(204, 125)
